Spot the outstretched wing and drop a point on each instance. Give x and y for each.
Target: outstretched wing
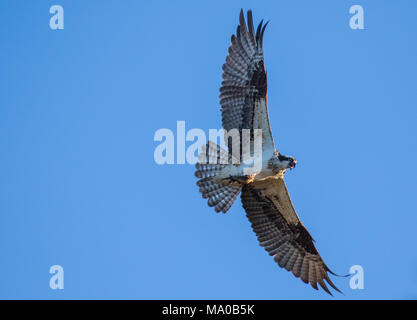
(269, 209)
(244, 86)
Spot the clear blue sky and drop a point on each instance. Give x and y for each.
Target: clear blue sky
(79, 186)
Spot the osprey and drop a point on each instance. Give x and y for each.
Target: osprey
(264, 194)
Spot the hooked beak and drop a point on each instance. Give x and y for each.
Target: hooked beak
(293, 164)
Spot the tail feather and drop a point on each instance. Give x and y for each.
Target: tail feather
(220, 195)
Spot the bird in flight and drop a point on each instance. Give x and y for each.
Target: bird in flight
(265, 198)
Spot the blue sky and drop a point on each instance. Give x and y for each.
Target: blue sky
(79, 186)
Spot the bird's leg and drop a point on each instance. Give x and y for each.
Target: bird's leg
(245, 179)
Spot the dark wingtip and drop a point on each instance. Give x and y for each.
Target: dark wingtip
(341, 276)
(238, 33)
(262, 33)
(242, 19)
(337, 275)
(258, 30)
(333, 286)
(250, 22)
(263, 28)
(323, 285)
(326, 277)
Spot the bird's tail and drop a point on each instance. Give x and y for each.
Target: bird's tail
(220, 193)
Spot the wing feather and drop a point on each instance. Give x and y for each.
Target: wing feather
(280, 231)
(244, 85)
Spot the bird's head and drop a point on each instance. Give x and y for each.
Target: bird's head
(281, 162)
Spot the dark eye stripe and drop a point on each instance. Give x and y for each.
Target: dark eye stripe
(282, 158)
